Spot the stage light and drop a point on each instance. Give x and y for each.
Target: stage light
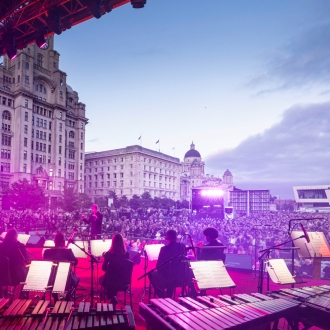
(94, 6)
(41, 41)
(212, 193)
(54, 21)
(138, 3)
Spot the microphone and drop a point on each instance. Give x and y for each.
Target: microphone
(305, 233)
(192, 245)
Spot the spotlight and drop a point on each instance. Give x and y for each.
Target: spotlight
(54, 21)
(41, 41)
(212, 193)
(94, 6)
(138, 3)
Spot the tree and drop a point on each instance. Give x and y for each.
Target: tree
(85, 201)
(146, 200)
(25, 195)
(123, 201)
(135, 202)
(101, 201)
(70, 200)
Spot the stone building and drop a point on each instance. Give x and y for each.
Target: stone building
(43, 122)
(132, 170)
(193, 175)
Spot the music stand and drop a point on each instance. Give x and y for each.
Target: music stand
(78, 253)
(317, 248)
(279, 272)
(98, 246)
(211, 274)
(22, 238)
(152, 251)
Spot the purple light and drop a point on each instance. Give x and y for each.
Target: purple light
(212, 193)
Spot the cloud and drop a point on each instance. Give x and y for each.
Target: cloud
(95, 140)
(303, 61)
(296, 151)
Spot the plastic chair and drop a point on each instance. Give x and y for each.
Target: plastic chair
(118, 278)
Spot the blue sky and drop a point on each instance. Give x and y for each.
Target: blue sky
(225, 74)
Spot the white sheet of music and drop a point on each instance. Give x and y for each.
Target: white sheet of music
(318, 246)
(76, 251)
(62, 273)
(38, 275)
(22, 238)
(211, 274)
(48, 243)
(279, 272)
(99, 246)
(153, 251)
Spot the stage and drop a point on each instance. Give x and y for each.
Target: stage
(245, 283)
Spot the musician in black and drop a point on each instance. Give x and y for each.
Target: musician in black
(211, 235)
(168, 276)
(95, 220)
(61, 253)
(17, 256)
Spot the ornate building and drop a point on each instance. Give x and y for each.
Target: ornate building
(43, 122)
(132, 171)
(193, 175)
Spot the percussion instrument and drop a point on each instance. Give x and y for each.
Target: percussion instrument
(20, 314)
(242, 311)
(316, 303)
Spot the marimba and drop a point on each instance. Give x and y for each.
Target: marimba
(22, 315)
(207, 312)
(316, 303)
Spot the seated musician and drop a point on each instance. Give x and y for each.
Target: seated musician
(17, 256)
(306, 269)
(326, 271)
(116, 253)
(211, 235)
(169, 276)
(60, 253)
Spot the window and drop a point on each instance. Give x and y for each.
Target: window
(61, 94)
(71, 176)
(81, 146)
(27, 66)
(44, 135)
(5, 167)
(60, 150)
(25, 142)
(39, 60)
(61, 115)
(59, 161)
(5, 153)
(81, 135)
(45, 123)
(60, 138)
(26, 103)
(6, 115)
(49, 148)
(6, 140)
(24, 168)
(71, 154)
(26, 117)
(49, 137)
(121, 175)
(71, 134)
(25, 155)
(18, 78)
(25, 129)
(61, 82)
(81, 156)
(27, 79)
(50, 124)
(60, 127)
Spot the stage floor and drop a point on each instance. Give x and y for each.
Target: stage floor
(245, 283)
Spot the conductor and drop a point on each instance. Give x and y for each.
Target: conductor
(95, 220)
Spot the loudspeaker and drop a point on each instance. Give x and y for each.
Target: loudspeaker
(35, 240)
(135, 257)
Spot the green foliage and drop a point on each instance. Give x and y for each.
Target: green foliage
(23, 195)
(135, 202)
(70, 200)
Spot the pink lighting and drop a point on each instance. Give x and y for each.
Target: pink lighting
(212, 193)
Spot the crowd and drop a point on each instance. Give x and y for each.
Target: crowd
(239, 234)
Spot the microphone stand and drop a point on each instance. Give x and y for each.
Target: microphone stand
(93, 260)
(160, 266)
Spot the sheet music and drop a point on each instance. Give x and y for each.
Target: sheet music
(76, 251)
(22, 238)
(62, 273)
(98, 246)
(38, 275)
(318, 246)
(48, 243)
(211, 274)
(153, 250)
(279, 272)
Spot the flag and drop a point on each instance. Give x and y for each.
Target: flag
(139, 137)
(157, 142)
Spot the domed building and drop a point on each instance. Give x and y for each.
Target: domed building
(193, 175)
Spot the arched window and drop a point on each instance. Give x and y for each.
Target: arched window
(39, 59)
(40, 88)
(6, 115)
(71, 134)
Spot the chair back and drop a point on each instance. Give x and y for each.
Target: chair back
(119, 274)
(5, 279)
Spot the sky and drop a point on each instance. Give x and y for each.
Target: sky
(247, 81)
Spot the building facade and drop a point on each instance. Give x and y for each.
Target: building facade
(246, 202)
(43, 122)
(132, 171)
(312, 198)
(193, 175)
